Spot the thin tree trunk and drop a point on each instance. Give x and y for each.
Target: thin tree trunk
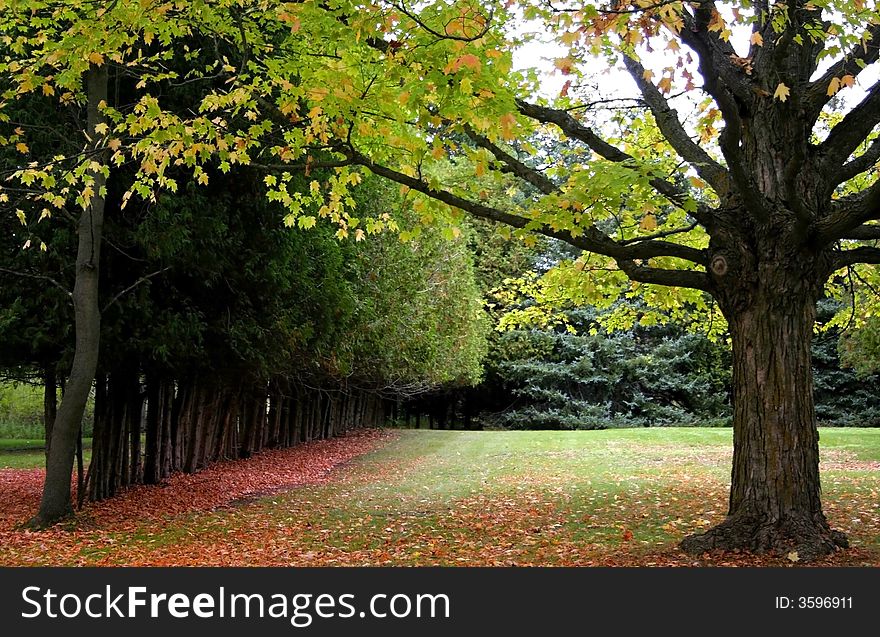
(55, 504)
(80, 472)
(152, 444)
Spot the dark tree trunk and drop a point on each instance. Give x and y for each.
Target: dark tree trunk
(55, 504)
(50, 403)
(774, 499)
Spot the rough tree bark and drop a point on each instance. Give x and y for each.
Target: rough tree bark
(56, 500)
(775, 500)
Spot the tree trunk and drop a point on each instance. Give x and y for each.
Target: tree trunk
(55, 504)
(50, 403)
(774, 497)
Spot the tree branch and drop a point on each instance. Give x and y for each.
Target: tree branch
(512, 165)
(659, 235)
(40, 277)
(862, 254)
(816, 93)
(660, 276)
(590, 238)
(446, 36)
(732, 91)
(131, 287)
(848, 214)
(863, 233)
(573, 129)
(860, 164)
(672, 129)
(852, 130)
(716, 59)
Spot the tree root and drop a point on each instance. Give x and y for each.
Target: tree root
(40, 523)
(809, 538)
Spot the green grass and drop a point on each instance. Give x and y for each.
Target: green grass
(624, 496)
(28, 453)
(536, 497)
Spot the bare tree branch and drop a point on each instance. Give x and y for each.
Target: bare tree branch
(862, 254)
(852, 130)
(863, 233)
(40, 277)
(131, 287)
(860, 164)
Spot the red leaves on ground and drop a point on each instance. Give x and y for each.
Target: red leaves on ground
(376, 513)
(221, 484)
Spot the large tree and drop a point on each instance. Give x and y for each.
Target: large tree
(786, 191)
(755, 203)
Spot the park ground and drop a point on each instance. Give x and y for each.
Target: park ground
(621, 497)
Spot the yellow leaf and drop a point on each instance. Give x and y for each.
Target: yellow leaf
(102, 128)
(757, 39)
(22, 148)
(648, 75)
(782, 92)
(48, 90)
(96, 58)
(833, 86)
(114, 144)
(665, 84)
(508, 121)
(793, 556)
(649, 222)
(565, 65)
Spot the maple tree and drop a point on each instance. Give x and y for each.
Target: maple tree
(776, 193)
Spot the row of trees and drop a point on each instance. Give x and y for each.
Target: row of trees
(225, 331)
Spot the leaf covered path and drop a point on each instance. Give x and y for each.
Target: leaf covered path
(621, 498)
(145, 510)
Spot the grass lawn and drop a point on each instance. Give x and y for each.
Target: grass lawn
(28, 453)
(617, 497)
